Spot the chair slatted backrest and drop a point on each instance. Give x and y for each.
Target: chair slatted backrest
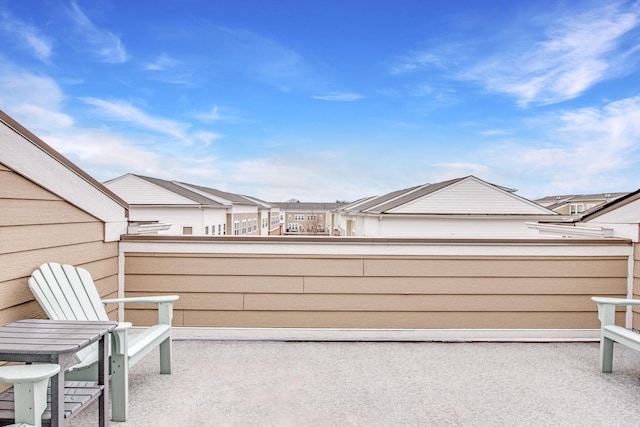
(66, 292)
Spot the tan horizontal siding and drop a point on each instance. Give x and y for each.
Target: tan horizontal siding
(462, 285)
(248, 265)
(15, 186)
(636, 287)
(29, 237)
(376, 291)
(24, 212)
(37, 226)
(383, 320)
(500, 267)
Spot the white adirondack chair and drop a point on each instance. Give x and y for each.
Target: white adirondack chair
(29, 391)
(66, 292)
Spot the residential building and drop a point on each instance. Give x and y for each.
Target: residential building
(316, 287)
(306, 218)
(576, 204)
(463, 207)
(190, 209)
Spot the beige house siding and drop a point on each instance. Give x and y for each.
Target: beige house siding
(36, 226)
(636, 286)
(373, 291)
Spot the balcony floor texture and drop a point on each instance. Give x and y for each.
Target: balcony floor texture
(241, 383)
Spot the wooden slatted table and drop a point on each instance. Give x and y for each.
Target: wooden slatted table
(56, 341)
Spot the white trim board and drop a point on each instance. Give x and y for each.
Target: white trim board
(395, 335)
(383, 248)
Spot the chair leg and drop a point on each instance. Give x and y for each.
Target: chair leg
(606, 355)
(165, 356)
(119, 387)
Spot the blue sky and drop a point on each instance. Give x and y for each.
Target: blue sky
(326, 100)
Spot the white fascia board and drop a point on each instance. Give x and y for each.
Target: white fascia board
(35, 164)
(570, 230)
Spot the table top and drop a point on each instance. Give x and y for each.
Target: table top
(44, 336)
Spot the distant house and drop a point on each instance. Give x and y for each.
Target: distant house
(621, 215)
(463, 207)
(244, 208)
(191, 209)
(306, 218)
(575, 204)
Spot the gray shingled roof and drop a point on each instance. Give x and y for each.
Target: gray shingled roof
(175, 188)
(410, 195)
(232, 197)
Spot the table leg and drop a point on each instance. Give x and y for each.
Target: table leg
(57, 398)
(103, 379)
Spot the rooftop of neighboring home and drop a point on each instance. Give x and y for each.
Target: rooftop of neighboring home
(136, 190)
(308, 206)
(554, 202)
(466, 195)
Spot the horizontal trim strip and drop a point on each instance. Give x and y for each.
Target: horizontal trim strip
(385, 248)
(400, 335)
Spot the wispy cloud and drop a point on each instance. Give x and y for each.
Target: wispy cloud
(418, 60)
(577, 52)
(125, 112)
(104, 44)
(217, 114)
(339, 96)
(31, 98)
(27, 35)
(588, 148)
(161, 63)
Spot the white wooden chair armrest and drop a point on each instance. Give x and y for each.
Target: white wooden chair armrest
(615, 301)
(164, 302)
(29, 391)
(143, 300)
(27, 373)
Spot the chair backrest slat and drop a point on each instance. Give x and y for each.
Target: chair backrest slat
(66, 292)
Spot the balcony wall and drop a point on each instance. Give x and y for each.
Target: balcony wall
(282, 282)
(37, 226)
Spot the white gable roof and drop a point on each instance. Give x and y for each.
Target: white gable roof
(470, 195)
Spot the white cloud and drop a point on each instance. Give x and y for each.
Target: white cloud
(206, 137)
(587, 150)
(102, 43)
(217, 114)
(32, 99)
(419, 60)
(27, 35)
(578, 52)
(161, 63)
(339, 96)
(125, 112)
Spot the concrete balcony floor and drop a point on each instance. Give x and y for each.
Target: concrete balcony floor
(234, 383)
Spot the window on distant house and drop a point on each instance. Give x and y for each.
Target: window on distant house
(224, 229)
(311, 217)
(298, 217)
(187, 230)
(244, 227)
(236, 228)
(219, 229)
(576, 208)
(206, 230)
